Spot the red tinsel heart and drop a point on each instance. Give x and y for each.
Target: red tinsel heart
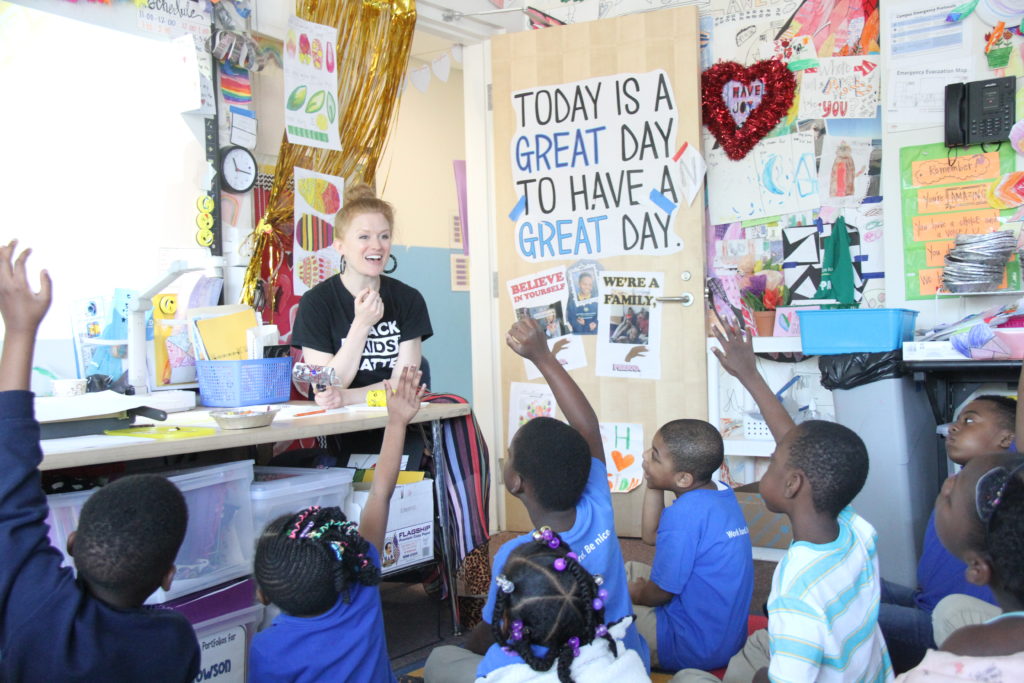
(779, 86)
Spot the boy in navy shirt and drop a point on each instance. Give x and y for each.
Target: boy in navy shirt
(692, 605)
(52, 627)
(558, 472)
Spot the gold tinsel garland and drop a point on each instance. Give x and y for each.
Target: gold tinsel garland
(374, 38)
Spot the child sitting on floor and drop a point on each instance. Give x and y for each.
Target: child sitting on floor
(823, 606)
(558, 472)
(549, 611)
(322, 573)
(979, 516)
(692, 605)
(52, 627)
(985, 425)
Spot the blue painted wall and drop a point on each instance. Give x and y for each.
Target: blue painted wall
(428, 269)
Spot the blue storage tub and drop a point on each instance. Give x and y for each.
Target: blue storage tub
(855, 330)
(236, 383)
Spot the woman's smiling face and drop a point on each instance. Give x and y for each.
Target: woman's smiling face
(366, 244)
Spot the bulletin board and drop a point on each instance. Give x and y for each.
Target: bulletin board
(945, 194)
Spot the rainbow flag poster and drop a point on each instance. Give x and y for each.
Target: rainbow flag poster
(234, 84)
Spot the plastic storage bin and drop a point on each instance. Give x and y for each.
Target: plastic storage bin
(225, 620)
(278, 490)
(235, 383)
(860, 330)
(218, 543)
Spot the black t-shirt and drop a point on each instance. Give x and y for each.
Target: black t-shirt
(326, 313)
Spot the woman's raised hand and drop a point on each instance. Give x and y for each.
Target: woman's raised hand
(369, 308)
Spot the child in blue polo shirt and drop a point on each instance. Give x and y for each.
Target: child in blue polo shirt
(692, 606)
(558, 472)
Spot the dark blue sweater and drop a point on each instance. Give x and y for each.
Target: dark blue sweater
(51, 629)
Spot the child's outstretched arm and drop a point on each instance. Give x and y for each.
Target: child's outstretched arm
(654, 505)
(22, 310)
(737, 357)
(527, 339)
(403, 404)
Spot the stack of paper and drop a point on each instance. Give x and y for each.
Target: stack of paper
(219, 332)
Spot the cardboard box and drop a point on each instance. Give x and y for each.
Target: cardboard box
(767, 529)
(410, 536)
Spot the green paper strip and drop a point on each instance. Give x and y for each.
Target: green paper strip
(961, 11)
(760, 221)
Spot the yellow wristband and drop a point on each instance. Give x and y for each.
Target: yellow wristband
(376, 398)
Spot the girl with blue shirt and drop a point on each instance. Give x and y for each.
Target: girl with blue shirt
(549, 620)
(322, 572)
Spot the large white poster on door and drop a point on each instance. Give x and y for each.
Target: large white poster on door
(592, 168)
(629, 342)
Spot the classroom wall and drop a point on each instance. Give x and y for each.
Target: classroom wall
(98, 195)
(941, 309)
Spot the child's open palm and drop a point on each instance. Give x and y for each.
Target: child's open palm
(21, 307)
(404, 396)
(737, 352)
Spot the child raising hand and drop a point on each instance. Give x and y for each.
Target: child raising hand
(322, 572)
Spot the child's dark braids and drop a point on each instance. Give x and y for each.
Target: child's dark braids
(546, 598)
(304, 561)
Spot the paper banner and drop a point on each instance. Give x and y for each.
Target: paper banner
(317, 200)
(779, 176)
(629, 343)
(592, 168)
(841, 88)
(527, 401)
(442, 66)
(311, 85)
(623, 454)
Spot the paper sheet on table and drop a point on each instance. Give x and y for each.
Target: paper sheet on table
(87, 442)
(58, 408)
(224, 336)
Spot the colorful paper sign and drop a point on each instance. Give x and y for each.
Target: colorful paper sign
(841, 88)
(623, 454)
(527, 401)
(542, 296)
(311, 85)
(317, 200)
(629, 344)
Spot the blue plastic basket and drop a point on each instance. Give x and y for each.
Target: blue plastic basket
(235, 383)
(855, 330)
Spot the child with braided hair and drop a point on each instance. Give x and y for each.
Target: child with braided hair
(548, 621)
(322, 572)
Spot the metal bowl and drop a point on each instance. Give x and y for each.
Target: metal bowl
(241, 418)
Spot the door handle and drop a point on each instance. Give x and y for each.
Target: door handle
(685, 299)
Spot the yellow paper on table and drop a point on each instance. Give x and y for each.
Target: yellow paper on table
(224, 336)
(404, 477)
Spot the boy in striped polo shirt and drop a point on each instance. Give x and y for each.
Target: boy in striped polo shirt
(823, 607)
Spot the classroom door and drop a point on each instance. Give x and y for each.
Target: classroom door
(589, 124)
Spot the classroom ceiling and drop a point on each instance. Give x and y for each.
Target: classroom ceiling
(466, 21)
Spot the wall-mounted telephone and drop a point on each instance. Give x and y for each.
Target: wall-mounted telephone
(979, 111)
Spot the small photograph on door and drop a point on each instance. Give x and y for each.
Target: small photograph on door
(550, 318)
(630, 324)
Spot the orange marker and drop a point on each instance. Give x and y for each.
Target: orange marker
(312, 412)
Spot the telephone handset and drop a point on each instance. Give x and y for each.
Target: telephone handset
(979, 111)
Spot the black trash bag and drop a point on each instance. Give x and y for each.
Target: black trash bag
(850, 370)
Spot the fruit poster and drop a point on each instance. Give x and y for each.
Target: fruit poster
(542, 296)
(317, 200)
(527, 401)
(629, 325)
(623, 454)
(311, 85)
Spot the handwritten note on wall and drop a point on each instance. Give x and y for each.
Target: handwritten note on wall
(945, 195)
(841, 88)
